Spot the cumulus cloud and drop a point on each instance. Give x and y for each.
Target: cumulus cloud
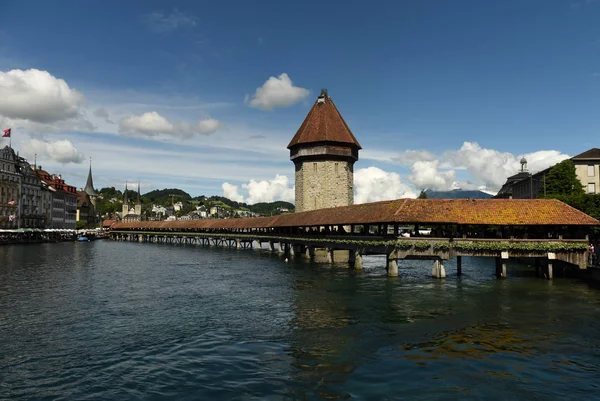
(492, 167)
(231, 192)
(277, 92)
(36, 99)
(373, 184)
(425, 174)
(152, 124)
(262, 191)
(488, 168)
(161, 22)
(62, 151)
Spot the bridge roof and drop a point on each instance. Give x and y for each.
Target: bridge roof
(509, 212)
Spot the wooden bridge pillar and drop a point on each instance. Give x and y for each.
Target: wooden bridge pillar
(549, 273)
(501, 265)
(330, 253)
(438, 270)
(271, 246)
(290, 250)
(355, 260)
(310, 253)
(459, 266)
(392, 264)
(238, 244)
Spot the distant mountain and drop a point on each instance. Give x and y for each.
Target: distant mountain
(457, 194)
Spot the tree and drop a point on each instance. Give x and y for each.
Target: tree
(562, 180)
(422, 195)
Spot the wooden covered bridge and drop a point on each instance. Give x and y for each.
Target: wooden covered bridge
(547, 230)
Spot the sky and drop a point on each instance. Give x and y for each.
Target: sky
(205, 96)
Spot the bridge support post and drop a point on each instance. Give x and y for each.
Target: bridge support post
(271, 246)
(438, 270)
(281, 248)
(549, 272)
(238, 244)
(290, 250)
(355, 260)
(392, 264)
(459, 266)
(330, 253)
(310, 253)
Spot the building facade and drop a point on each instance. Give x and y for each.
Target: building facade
(324, 151)
(10, 189)
(63, 213)
(31, 211)
(587, 168)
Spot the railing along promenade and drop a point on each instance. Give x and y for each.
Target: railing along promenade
(344, 228)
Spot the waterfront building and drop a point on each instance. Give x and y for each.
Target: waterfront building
(64, 201)
(324, 151)
(131, 212)
(31, 210)
(525, 185)
(10, 189)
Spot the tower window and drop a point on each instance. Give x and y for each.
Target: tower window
(315, 167)
(336, 168)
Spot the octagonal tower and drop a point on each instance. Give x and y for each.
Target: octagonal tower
(324, 151)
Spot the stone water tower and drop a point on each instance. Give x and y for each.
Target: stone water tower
(324, 151)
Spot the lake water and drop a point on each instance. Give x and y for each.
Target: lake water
(120, 321)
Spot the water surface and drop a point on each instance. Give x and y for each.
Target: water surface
(117, 320)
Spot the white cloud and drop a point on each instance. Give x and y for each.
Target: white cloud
(488, 168)
(425, 174)
(373, 184)
(231, 192)
(491, 167)
(62, 151)
(161, 22)
(208, 126)
(262, 191)
(36, 100)
(277, 92)
(152, 124)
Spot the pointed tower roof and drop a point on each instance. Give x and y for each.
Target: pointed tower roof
(125, 194)
(138, 194)
(89, 186)
(324, 123)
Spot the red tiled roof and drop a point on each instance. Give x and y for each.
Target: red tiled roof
(324, 123)
(593, 153)
(510, 212)
(108, 223)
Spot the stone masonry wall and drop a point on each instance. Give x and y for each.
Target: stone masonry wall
(323, 184)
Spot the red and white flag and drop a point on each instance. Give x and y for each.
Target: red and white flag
(11, 203)
(6, 133)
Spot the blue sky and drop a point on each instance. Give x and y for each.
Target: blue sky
(439, 93)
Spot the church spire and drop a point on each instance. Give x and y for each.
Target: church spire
(89, 186)
(138, 194)
(125, 194)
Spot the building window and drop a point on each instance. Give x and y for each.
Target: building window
(336, 168)
(591, 188)
(591, 170)
(315, 167)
